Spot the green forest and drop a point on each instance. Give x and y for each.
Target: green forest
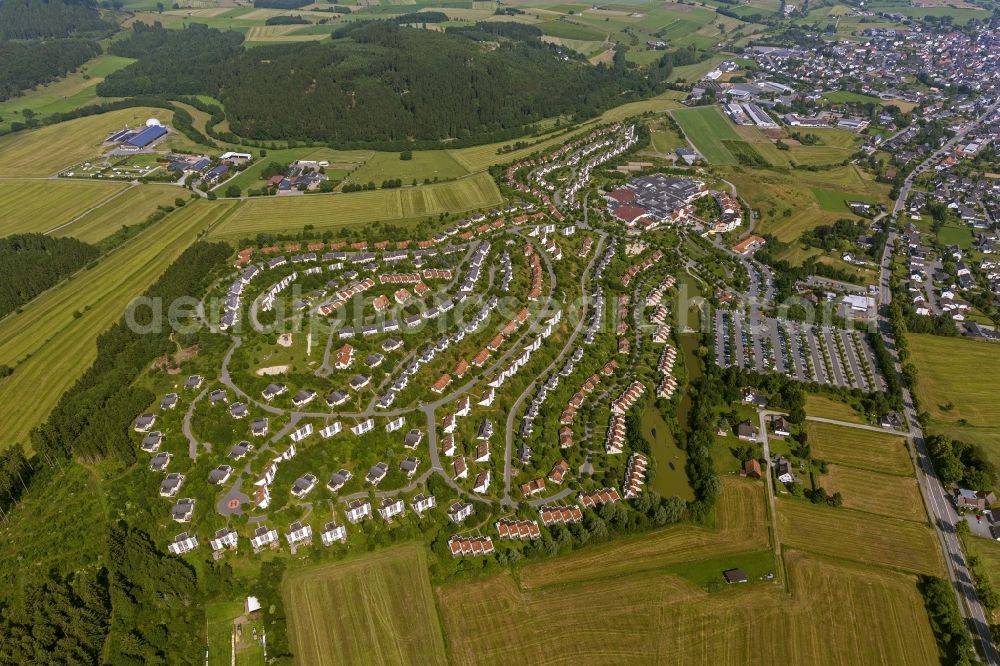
(378, 82)
(31, 263)
(42, 40)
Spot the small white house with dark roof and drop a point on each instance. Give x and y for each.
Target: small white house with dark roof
(183, 510)
(183, 543)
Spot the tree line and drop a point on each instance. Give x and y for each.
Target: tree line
(91, 421)
(31, 263)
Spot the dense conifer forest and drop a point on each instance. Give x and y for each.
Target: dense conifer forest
(42, 40)
(31, 263)
(378, 81)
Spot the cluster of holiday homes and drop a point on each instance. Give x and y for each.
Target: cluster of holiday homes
(568, 415)
(528, 530)
(660, 313)
(539, 189)
(549, 385)
(614, 441)
(547, 241)
(649, 201)
(643, 265)
(607, 150)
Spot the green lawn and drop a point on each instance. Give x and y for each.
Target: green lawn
(836, 201)
(429, 164)
(957, 234)
(707, 128)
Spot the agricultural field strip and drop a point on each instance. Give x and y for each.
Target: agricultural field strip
(42, 206)
(358, 611)
(853, 447)
(60, 344)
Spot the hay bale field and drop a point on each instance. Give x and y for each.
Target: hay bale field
(50, 149)
(378, 609)
(131, 207)
(51, 342)
(652, 617)
(284, 214)
(41, 205)
(864, 449)
(861, 537)
(742, 527)
(876, 492)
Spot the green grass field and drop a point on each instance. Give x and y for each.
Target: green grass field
(42, 205)
(707, 128)
(836, 201)
(131, 207)
(51, 342)
(946, 371)
(844, 533)
(424, 164)
(858, 448)
(71, 92)
(48, 150)
(787, 202)
(283, 214)
(817, 405)
(378, 609)
(959, 407)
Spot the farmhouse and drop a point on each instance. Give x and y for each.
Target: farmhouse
(971, 499)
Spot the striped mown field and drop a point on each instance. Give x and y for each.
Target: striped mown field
(332, 211)
(651, 617)
(378, 609)
(37, 206)
(864, 449)
(861, 537)
(130, 207)
(52, 341)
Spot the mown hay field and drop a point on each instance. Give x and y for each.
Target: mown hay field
(866, 449)
(742, 527)
(876, 492)
(861, 537)
(378, 609)
(50, 149)
(652, 617)
(286, 214)
(37, 206)
(52, 341)
(131, 207)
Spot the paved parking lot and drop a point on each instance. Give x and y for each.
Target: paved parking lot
(803, 352)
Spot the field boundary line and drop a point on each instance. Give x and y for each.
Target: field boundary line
(100, 204)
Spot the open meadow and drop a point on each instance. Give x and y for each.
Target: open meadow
(130, 207)
(863, 449)
(656, 617)
(38, 206)
(332, 211)
(823, 407)
(844, 533)
(378, 609)
(787, 202)
(48, 150)
(945, 367)
(51, 342)
(959, 407)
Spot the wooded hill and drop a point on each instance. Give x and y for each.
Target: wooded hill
(41, 40)
(378, 82)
